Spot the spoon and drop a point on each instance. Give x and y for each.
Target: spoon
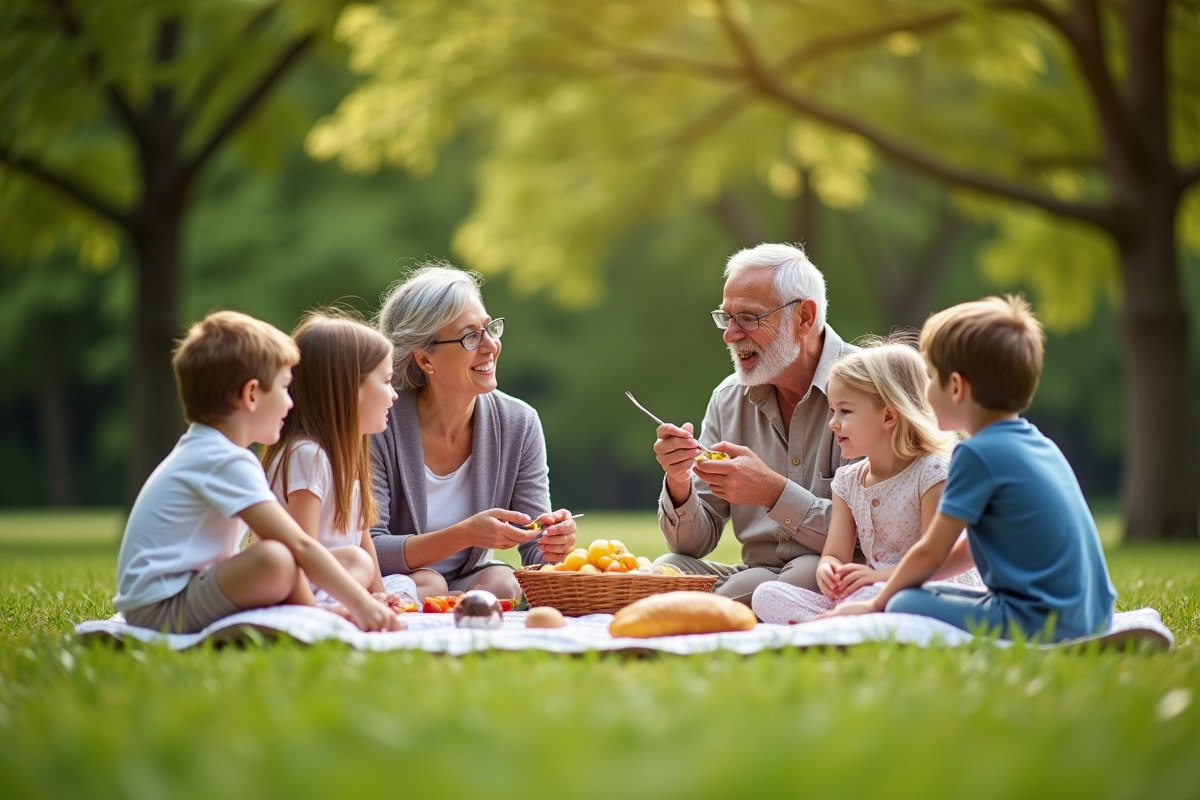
(659, 421)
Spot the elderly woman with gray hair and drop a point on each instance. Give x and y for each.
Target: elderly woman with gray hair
(459, 462)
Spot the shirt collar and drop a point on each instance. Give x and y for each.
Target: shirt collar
(831, 351)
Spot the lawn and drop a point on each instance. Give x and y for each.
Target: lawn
(324, 721)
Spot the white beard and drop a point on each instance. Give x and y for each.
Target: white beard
(772, 361)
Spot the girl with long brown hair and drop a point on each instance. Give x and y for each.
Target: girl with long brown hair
(320, 469)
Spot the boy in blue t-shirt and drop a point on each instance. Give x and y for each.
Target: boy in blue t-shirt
(1029, 530)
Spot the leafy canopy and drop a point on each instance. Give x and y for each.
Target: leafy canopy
(595, 115)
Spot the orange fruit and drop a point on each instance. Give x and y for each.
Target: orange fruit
(575, 560)
(598, 548)
(588, 569)
(628, 560)
(615, 566)
(604, 562)
(618, 546)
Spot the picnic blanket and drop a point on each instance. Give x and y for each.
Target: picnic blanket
(436, 633)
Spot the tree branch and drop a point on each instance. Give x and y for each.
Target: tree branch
(638, 59)
(867, 36)
(738, 221)
(75, 191)
(1084, 32)
(212, 78)
(900, 151)
(95, 65)
(1148, 68)
(165, 52)
(1189, 176)
(249, 101)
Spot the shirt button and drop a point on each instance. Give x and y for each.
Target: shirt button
(683, 513)
(786, 539)
(795, 462)
(875, 502)
(787, 521)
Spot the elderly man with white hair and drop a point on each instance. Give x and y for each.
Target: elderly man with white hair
(771, 417)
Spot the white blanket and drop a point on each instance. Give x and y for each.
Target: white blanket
(436, 633)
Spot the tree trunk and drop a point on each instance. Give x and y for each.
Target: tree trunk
(157, 417)
(54, 419)
(1159, 480)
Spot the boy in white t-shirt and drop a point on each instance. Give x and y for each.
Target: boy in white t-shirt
(179, 569)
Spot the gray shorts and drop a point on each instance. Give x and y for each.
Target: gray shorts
(200, 604)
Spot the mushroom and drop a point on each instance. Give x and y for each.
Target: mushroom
(478, 609)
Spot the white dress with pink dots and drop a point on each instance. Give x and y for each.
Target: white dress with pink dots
(887, 516)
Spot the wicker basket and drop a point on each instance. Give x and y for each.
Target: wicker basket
(576, 595)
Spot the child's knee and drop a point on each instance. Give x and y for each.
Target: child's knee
(430, 582)
(355, 560)
(500, 581)
(276, 563)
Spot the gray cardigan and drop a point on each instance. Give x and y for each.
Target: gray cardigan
(509, 471)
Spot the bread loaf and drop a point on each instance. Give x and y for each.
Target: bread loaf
(674, 613)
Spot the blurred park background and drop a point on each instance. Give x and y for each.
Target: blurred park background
(597, 160)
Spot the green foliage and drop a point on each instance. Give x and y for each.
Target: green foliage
(597, 117)
(77, 79)
(80, 718)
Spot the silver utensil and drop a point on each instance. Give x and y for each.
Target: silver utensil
(633, 400)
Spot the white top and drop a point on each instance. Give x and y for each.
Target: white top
(185, 517)
(888, 514)
(309, 468)
(448, 500)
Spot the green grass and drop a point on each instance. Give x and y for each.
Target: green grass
(324, 721)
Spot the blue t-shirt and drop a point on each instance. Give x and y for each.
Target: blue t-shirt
(1030, 531)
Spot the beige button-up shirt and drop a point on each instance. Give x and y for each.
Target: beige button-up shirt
(806, 452)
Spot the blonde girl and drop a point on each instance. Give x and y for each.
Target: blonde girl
(342, 390)
(887, 498)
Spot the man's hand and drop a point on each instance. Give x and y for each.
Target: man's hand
(743, 478)
(558, 535)
(852, 577)
(675, 450)
(852, 609)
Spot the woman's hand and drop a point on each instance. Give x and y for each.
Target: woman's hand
(558, 535)
(491, 529)
(852, 577)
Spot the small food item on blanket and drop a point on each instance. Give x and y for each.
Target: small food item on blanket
(544, 617)
(444, 604)
(440, 604)
(711, 455)
(478, 609)
(677, 613)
